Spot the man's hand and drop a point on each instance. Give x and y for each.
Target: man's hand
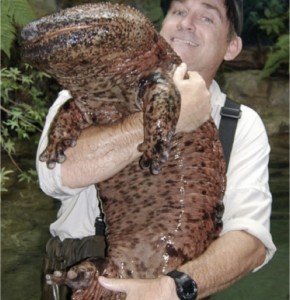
(161, 288)
(195, 99)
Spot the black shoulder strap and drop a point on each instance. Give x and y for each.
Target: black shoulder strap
(230, 114)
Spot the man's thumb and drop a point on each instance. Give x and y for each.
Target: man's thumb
(180, 72)
(117, 285)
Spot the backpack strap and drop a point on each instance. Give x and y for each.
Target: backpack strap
(230, 115)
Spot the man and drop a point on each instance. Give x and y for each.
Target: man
(204, 33)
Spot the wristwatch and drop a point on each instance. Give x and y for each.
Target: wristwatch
(186, 287)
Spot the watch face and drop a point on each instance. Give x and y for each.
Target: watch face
(186, 288)
(189, 289)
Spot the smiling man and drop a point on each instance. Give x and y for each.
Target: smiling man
(200, 32)
(204, 33)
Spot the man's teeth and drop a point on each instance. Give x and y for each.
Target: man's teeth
(185, 42)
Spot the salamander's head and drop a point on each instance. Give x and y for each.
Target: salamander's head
(72, 40)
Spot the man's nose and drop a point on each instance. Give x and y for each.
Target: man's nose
(186, 23)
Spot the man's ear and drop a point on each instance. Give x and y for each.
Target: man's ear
(234, 48)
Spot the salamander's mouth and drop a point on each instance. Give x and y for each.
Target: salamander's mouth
(31, 32)
(67, 29)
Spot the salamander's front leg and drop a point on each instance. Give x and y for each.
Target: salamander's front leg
(63, 133)
(161, 107)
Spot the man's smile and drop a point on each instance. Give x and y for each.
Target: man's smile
(184, 41)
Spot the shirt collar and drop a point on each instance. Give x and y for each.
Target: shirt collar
(217, 101)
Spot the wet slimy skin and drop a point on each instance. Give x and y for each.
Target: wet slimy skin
(115, 63)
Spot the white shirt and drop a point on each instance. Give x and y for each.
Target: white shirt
(247, 198)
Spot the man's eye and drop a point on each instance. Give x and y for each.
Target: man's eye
(207, 19)
(179, 12)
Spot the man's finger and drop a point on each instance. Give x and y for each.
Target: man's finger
(117, 285)
(194, 75)
(180, 72)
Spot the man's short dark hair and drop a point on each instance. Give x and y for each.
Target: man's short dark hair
(234, 13)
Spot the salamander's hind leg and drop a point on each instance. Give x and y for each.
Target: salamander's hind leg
(161, 106)
(63, 133)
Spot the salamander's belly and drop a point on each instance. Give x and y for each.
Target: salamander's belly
(156, 223)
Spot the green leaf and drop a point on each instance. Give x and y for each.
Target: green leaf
(267, 13)
(13, 13)
(4, 177)
(26, 80)
(28, 176)
(20, 11)
(278, 55)
(8, 146)
(13, 124)
(13, 73)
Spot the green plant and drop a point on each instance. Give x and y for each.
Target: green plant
(275, 24)
(3, 178)
(23, 107)
(13, 14)
(279, 55)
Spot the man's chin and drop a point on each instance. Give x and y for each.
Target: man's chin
(186, 56)
(183, 49)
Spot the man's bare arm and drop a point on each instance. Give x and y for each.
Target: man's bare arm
(101, 152)
(227, 259)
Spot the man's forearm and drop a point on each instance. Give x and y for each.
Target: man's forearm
(102, 152)
(229, 258)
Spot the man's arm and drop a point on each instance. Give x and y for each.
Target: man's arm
(102, 152)
(226, 260)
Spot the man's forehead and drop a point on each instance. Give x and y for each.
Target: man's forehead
(217, 5)
(205, 1)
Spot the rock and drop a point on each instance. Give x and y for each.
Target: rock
(269, 97)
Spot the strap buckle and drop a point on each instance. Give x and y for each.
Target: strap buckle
(231, 112)
(100, 226)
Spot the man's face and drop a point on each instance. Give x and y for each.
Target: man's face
(198, 31)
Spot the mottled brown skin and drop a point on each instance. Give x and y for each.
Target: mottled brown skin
(115, 63)
(108, 56)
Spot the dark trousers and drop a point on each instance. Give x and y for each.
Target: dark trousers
(62, 254)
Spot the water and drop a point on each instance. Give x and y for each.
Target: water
(26, 215)
(27, 212)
